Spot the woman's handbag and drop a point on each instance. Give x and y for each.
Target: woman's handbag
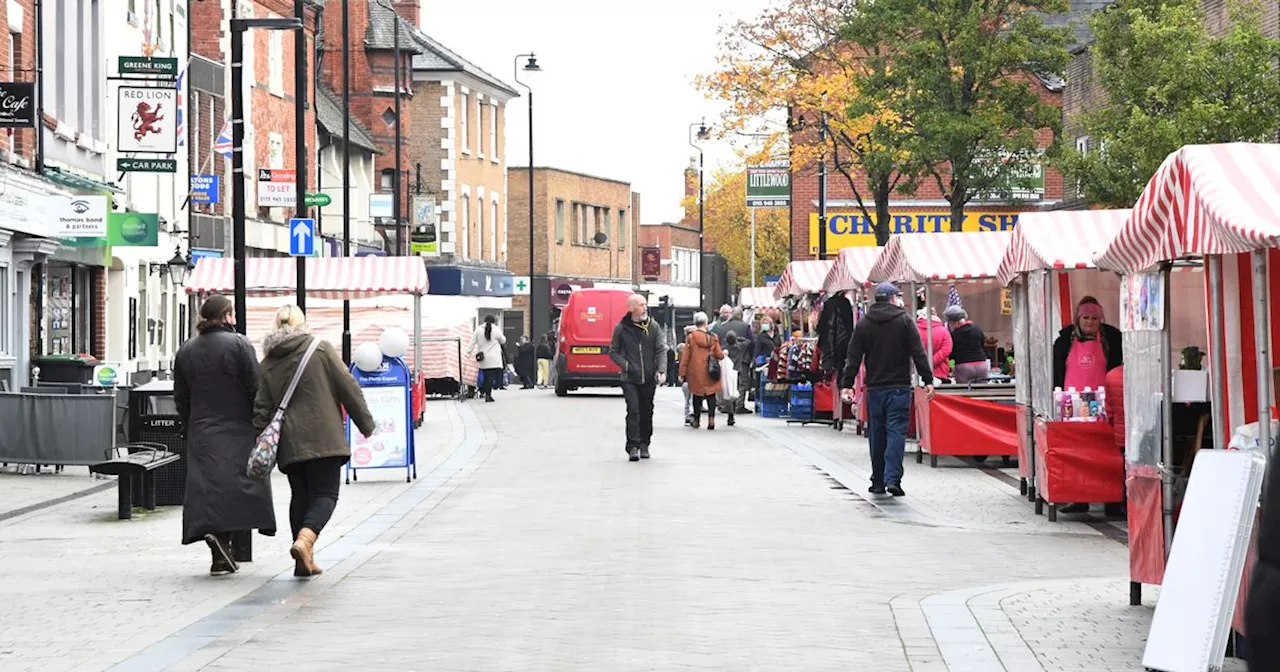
(479, 356)
(262, 459)
(713, 366)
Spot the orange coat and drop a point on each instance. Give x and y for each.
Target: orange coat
(699, 346)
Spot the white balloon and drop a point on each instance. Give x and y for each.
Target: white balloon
(394, 342)
(368, 357)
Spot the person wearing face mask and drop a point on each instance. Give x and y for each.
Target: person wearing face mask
(639, 348)
(889, 342)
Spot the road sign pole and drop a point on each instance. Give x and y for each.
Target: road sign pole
(300, 136)
(753, 247)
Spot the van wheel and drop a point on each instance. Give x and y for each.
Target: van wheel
(561, 390)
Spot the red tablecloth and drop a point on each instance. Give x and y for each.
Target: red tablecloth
(1078, 462)
(952, 424)
(1146, 525)
(1022, 423)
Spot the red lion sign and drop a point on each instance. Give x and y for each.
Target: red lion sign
(144, 120)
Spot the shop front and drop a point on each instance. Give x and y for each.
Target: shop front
(26, 243)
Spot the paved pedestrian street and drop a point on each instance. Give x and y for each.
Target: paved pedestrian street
(529, 542)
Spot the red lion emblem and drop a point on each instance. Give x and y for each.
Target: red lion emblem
(144, 120)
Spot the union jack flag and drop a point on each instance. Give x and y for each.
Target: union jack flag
(223, 144)
(182, 128)
(953, 297)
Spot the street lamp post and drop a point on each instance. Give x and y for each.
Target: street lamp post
(531, 65)
(346, 169)
(397, 202)
(703, 134)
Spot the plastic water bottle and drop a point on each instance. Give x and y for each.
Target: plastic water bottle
(1057, 403)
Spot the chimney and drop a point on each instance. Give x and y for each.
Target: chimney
(410, 11)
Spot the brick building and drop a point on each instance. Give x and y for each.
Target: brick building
(924, 211)
(677, 248)
(585, 234)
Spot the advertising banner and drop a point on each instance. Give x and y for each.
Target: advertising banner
(769, 186)
(78, 216)
(423, 240)
(204, 189)
(133, 229)
(651, 263)
(387, 393)
(277, 188)
(17, 104)
(851, 229)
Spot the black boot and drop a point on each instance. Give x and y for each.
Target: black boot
(223, 560)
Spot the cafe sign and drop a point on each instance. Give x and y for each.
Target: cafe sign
(17, 105)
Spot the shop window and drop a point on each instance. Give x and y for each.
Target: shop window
(59, 313)
(6, 308)
(559, 221)
(622, 230)
(143, 312)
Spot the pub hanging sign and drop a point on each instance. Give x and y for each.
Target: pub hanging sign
(17, 105)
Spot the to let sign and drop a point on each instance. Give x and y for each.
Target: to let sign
(204, 189)
(17, 104)
(277, 188)
(769, 186)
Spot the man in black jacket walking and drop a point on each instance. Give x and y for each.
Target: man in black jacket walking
(888, 340)
(639, 348)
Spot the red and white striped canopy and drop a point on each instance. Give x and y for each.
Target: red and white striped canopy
(327, 277)
(1205, 199)
(803, 277)
(1059, 240)
(852, 268)
(927, 257)
(756, 297)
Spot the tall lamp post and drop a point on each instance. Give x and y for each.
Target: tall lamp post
(535, 289)
(702, 134)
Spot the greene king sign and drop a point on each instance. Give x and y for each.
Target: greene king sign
(769, 186)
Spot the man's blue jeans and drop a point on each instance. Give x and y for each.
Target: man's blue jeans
(887, 413)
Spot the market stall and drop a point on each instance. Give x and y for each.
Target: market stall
(975, 419)
(1219, 203)
(756, 297)
(849, 275)
(328, 278)
(1059, 460)
(795, 372)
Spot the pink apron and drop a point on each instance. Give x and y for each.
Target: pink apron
(1086, 365)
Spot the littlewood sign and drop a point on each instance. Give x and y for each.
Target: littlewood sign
(17, 105)
(769, 186)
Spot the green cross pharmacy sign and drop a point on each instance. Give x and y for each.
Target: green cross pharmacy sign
(521, 285)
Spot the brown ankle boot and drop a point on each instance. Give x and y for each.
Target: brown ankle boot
(303, 552)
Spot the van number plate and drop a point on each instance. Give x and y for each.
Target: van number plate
(586, 350)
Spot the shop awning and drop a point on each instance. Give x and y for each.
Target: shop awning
(1204, 199)
(930, 257)
(803, 277)
(756, 297)
(852, 268)
(1059, 240)
(327, 277)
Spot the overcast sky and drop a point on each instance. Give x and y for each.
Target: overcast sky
(616, 96)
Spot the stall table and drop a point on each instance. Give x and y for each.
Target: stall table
(1076, 462)
(966, 421)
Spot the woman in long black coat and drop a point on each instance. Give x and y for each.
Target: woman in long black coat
(215, 379)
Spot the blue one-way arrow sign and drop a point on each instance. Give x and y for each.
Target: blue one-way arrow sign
(302, 237)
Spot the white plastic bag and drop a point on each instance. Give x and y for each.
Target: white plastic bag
(1246, 438)
(728, 381)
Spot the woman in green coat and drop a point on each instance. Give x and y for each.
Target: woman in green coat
(313, 440)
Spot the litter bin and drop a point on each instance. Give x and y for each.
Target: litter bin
(65, 368)
(153, 417)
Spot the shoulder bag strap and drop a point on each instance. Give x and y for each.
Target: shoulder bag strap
(297, 375)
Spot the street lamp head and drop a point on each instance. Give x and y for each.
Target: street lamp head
(532, 64)
(178, 267)
(704, 132)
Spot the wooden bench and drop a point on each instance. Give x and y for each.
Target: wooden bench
(136, 471)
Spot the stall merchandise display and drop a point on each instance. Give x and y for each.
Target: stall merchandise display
(1071, 405)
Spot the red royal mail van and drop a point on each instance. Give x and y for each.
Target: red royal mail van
(586, 329)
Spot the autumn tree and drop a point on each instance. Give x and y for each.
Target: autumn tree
(965, 75)
(728, 224)
(1168, 82)
(794, 76)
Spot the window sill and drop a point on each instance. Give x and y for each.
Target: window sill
(466, 150)
(480, 155)
(495, 160)
(277, 93)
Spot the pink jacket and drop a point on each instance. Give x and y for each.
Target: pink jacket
(941, 346)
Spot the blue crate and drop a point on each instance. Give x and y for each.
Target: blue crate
(773, 409)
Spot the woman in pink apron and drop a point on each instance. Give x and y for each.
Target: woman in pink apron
(1082, 355)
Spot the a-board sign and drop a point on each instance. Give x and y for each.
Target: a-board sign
(1202, 578)
(387, 393)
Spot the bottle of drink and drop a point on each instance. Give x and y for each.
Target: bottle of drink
(1057, 403)
(1068, 404)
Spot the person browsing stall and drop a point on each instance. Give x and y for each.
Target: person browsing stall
(967, 346)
